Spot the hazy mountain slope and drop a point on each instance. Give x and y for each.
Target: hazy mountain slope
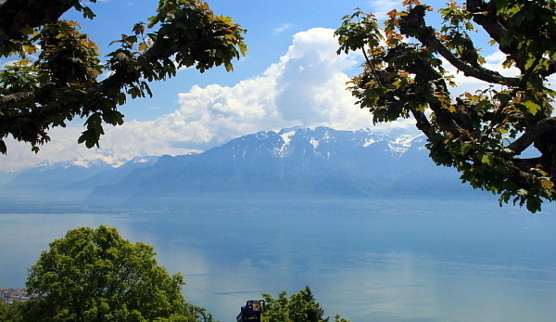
(48, 182)
(291, 163)
(67, 182)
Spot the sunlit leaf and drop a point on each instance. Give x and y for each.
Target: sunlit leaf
(532, 107)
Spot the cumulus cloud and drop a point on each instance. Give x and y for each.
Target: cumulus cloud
(63, 147)
(380, 8)
(470, 84)
(306, 87)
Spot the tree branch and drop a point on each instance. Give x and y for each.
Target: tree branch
(16, 98)
(19, 14)
(413, 25)
(425, 126)
(531, 134)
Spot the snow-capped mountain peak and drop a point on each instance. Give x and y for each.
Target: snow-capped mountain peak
(293, 161)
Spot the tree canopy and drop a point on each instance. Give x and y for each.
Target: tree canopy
(55, 72)
(96, 275)
(299, 307)
(502, 137)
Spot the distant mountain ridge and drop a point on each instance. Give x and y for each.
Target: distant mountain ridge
(292, 162)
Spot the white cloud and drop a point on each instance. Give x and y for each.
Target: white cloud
(283, 27)
(63, 147)
(306, 87)
(380, 8)
(471, 84)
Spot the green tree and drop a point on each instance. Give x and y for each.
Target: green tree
(11, 312)
(482, 134)
(63, 82)
(96, 275)
(299, 307)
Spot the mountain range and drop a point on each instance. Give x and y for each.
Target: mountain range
(291, 163)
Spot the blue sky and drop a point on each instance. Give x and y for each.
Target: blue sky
(270, 25)
(290, 76)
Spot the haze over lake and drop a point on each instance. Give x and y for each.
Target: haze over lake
(437, 259)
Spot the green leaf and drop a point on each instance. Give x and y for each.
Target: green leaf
(139, 28)
(534, 204)
(131, 39)
(486, 159)
(532, 107)
(88, 13)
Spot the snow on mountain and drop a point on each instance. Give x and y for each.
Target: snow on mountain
(326, 138)
(401, 144)
(291, 162)
(65, 181)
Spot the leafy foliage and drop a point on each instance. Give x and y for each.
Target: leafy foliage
(482, 134)
(63, 82)
(11, 312)
(299, 307)
(96, 275)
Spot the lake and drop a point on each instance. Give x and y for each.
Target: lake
(367, 260)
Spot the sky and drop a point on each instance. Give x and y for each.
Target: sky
(291, 76)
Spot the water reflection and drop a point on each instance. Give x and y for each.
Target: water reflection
(365, 262)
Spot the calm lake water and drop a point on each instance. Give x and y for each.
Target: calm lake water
(367, 260)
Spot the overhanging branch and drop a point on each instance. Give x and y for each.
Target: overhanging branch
(413, 25)
(19, 14)
(532, 134)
